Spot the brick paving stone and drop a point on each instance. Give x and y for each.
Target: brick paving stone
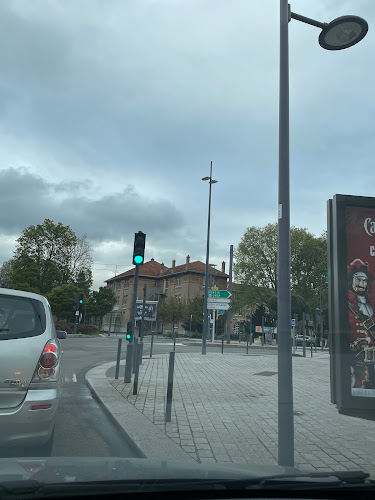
(219, 401)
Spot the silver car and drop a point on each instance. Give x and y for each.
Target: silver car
(30, 374)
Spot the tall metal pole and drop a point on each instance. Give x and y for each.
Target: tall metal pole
(110, 318)
(134, 303)
(142, 332)
(321, 320)
(205, 315)
(285, 376)
(229, 319)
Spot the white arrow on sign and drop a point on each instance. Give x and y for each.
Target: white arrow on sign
(217, 299)
(218, 305)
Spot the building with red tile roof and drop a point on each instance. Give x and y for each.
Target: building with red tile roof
(184, 282)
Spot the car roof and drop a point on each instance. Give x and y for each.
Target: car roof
(21, 293)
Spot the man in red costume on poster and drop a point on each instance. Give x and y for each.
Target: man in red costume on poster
(362, 325)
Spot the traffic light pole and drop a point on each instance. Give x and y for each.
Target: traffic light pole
(134, 304)
(230, 291)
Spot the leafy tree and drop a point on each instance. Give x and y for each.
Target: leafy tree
(172, 311)
(299, 305)
(61, 299)
(5, 273)
(50, 255)
(194, 310)
(100, 303)
(256, 264)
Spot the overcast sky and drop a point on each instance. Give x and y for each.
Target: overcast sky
(111, 111)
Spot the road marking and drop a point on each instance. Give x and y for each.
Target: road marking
(74, 377)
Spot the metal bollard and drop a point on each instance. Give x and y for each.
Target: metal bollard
(174, 342)
(134, 352)
(138, 353)
(141, 352)
(118, 358)
(129, 363)
(168, 409)
(247, 345)
(222, 344)
(152, 343)
(311, 349)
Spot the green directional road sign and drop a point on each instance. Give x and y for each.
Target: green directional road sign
(219, 294)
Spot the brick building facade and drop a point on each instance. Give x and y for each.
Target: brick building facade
(184, 282)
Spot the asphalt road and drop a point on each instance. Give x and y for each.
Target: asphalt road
(82, 426)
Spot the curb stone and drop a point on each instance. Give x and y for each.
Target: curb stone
(146, 439)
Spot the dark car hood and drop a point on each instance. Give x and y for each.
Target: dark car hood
(54, 470)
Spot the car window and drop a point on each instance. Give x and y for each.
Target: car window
(21, 317)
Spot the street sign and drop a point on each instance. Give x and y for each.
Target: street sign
(218, 305)
(150, 310)
(258, 329)
(293, 322)
(266, 329)
(214, 288)
(220, 294)
(221, 311)
(218, 299)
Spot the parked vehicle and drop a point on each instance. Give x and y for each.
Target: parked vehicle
(30, 371)
(309, 340)
(61, 334)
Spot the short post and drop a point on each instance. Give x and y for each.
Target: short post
(247, 345)
(304, 334)
(135, 353)
(168, 410)
(152, 343)
(138, 350)
(118, 358)
(311, 347)
(174, 340)
(141, 351)
(222, 344)
(129, 363)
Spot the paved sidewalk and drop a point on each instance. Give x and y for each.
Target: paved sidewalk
(225, 410)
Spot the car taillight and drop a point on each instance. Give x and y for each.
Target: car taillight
(48, 361)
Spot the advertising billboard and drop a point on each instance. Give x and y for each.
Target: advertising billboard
(351, 274)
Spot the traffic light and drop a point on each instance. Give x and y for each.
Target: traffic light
(139, 248)
(129, 331)
(80, 298)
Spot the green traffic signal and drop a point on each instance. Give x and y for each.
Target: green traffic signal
(128, 336)
(138, 259)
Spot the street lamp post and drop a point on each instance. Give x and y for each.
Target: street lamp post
(205, 315)
(341, 33)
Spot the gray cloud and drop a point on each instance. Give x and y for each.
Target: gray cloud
(27, 199)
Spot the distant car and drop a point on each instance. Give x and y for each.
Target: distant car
(308, 340)
(61, 334)
(30, 372)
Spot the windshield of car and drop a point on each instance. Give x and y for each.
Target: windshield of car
(21, 317)
(187, 270)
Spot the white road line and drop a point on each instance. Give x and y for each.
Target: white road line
(74, 377)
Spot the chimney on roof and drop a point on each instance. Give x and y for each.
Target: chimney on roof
(152, 261)
(162, 268)
(187, 262)
(173, 264)
(223, 266)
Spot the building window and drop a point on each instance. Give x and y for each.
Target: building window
(178, 282)
(124, 300)
(126, 283)
(178, 296)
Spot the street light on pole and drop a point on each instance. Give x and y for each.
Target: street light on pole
(341, 33)
(205, 315)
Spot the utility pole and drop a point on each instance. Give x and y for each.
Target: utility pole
(229, 318)
(110, 318)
